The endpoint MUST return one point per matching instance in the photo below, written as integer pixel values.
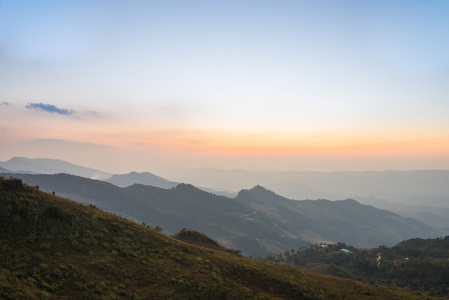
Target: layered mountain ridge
(257, 221)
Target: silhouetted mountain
(425, 187)
(224, 219)
(145, 178)
(51, 166)
(54, 248)
(431, 219)
(333, 221)
(434, 216)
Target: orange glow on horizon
(229, 143)
(272, 145)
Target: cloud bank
(50, 108)
(5, 103)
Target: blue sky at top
(308, 70)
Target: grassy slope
(55, 248)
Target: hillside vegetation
(418, 264)
(56, 248)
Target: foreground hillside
(55, 248)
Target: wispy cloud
(50, 108)
(92, 113)
(69, 144)
(5, 103)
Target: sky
(259, 85)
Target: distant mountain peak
(259, 191)
(257, 188)
(145, 178)
(183, 187)
(349, 201)
(260, 188)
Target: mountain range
(257, 221)
(360, 225)
(54, 248)
(382, 189)
(25, 165)
(378, 188)
(416, 187)
(50, 166)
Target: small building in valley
(347, 251)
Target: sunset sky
(257, 85)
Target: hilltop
(197, 238)
(56, 248)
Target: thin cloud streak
(50, 108)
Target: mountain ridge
(408, 187)
(371, 187)
(341, 220)
(256, 225)
(51, 166)
(146, 178)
